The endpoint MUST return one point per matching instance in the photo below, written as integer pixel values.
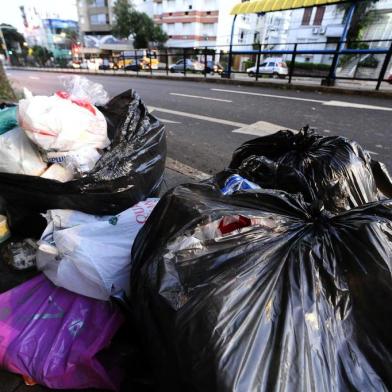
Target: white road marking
(261, 128)
(267, 95)
(186, 170)
(199, 97)
(168, 121)
(34, 77)
(199, 117)
(356, 105)
(372, 152)
(326, 103)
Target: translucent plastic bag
(90, 255)
(52, 336)
(83, 88)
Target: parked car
(275, 67)
(107, 65)
(133, 67)
(389, 80)
(191, 65)
(213, 68)
(79, 64)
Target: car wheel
(281, 76)
(251, 74)
(172, 70)
(275, 75)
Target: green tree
(15, 43)
(362, 18)
(41, 54)
(6, 91)
(128, 22)
(72, 35)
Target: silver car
(192, 66)
(275, 67)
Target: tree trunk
(6, 91)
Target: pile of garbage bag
(273, 275)
(69, 154)
(77, 176)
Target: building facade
(188, 23)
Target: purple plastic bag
(53, 336)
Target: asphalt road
(206, 122)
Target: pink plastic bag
(53, 336)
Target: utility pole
(4, 44)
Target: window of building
(306, 17)
(99, 19)
(318, 19)
(99, 3)
(208, 13)
(186, 13)
(190, 7)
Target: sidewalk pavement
(8, 279)
(343, 86)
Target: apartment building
(188, 23)
(95, 16)
(95, 24)
(381, 28)
(321, 27)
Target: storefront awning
(257, 6)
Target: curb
(232, 82)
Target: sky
(10, 12)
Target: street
(206, 122)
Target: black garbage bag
(336, 169)
(261, 291)
(129, 171)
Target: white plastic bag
(77, 161)
(18, 155)
(91, 255)
(62, 122)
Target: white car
(275, 67)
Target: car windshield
(271, 64)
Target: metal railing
(199, 61)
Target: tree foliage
(6, 91)
(72, 35)
(41, 54)
(362, 18)
(12, 37)
(129, 22)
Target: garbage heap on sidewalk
(274, 274)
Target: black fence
(329, 61)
